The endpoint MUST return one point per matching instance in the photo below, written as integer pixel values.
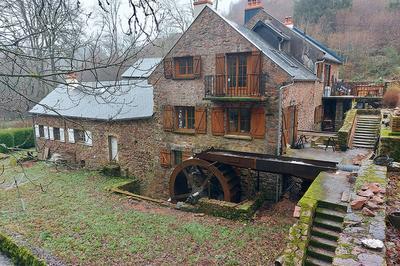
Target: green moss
(19, 255)
(227, 210)
(345, 131)
(370, 175)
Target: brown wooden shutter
(168, 68)
(319, 70)
(296, 123)
(217, 121)
(220, 74)
(258, 122)
(200, 120)
(254, 69)
(168, 118)
(165, 158)
(285, 128)
(197, 66)
(318, 114)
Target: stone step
(330, 214)
(364, 146)
(364, 136)
(328, 224)
(363, 142)
(324, 243)
(310, 261)
(332, 206)
(366, 130)
(324, 233)
(321, 254)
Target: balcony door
(237, 74)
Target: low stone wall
(20, 255)
(358, 227)
(389, 144)
(299, 233)
(344, 133)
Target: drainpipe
(278, 149)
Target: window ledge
(240, 137)
(185, 131)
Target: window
(79, 135)
(41, 131)
(184, 66)
(56, 132)
(177, 157)
(239, 120)
(237, 71)
(184, 117)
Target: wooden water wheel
(200, 178)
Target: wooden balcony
(355, 90)
(220, 87)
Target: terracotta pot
(394, 219)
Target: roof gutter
(278, 149)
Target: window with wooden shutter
(220, 74)
(165, 158)
(217, 121)
(168, 118)
(168, 68)
(201, 120)
(258, 122)
(254, 72)
(197, 66)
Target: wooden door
(113, 148)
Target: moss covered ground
(70, 214)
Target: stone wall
(344, 133)
(210, 35)
(137, 146)
(306, 96)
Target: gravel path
(5, 261)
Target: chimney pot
(289, 22)
(198, 5)
(253, 6)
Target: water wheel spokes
(195, 177)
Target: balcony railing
(354, 89)
(227, 86)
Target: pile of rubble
(370, 198)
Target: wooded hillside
(365, 32)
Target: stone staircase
(366, 132)
(325, 230)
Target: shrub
(391, 99)
(16, 137)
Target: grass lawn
(79, 222)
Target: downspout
(278, 149)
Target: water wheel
(195, 177)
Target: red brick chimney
(253, 6)
(200, 4)
(289, 22)
(71, 80)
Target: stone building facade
(220, 86)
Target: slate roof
(109, 100)
(285, 61)
(142, 68)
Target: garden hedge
(22, 138)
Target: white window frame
(71, 137)
(62, 134)
(88, 138)
(51, 133)
(46, 132)
(37, 132)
